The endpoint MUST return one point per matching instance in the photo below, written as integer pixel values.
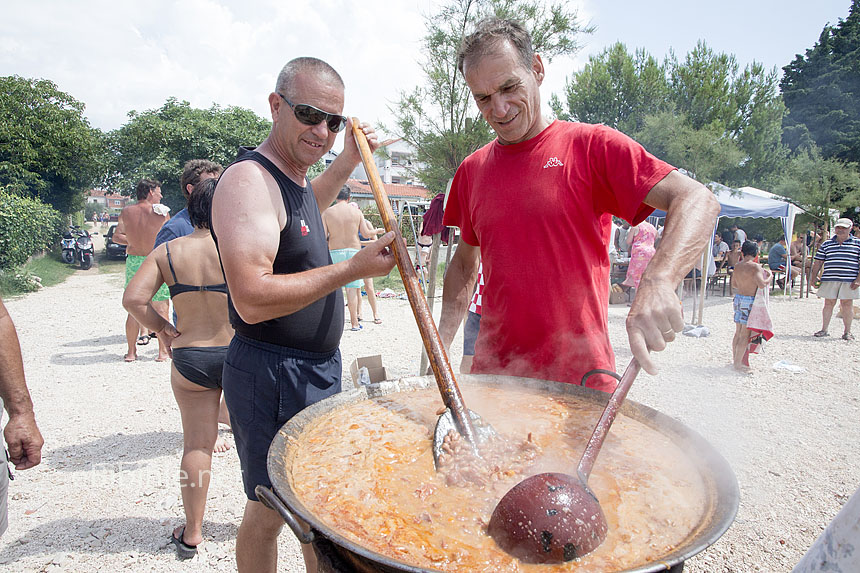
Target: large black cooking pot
(341, 554)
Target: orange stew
(366, 470)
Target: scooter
(78, 247)
(68, 245)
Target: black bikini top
(178, 288)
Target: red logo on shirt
(305, 229)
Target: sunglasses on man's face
(309, 115)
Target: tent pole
(449, 250)
(695, 297)
(704, 284)
(431, 291)
(803, 276)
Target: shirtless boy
(747, 278)
(733, 257)
(342, 223)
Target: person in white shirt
(740, 234)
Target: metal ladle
(555, 517)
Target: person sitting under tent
(777, 260)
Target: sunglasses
(309, 115)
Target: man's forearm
(271, 296)
(327, 184)
(456, 291)
(690, 218)
(813, 274)
(13, 388)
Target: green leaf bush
(27, 227)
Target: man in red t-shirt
(544, 307)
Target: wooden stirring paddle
(456, 415)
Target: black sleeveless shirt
(302, 246)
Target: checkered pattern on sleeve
(841, 261)
(475, 305)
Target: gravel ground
(106, 498)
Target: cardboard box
(374, 368)
(617, 297)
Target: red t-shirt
(541, 211)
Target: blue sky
(133, 55)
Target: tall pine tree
(822, 92)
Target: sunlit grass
(50, 269)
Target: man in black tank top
(284, 292)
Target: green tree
(727, 123)
(48, 150)
(157, 143)
(616, 89)
(822, 91)
(758, 131)
(818, 184)
(745, 106)
(439, 119)
(701, 87)
(707, 153)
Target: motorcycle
(78, 247)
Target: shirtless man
(137, 227)
(747, 278)
(342, 224)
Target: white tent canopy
(753, 203)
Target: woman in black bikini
(190, 267)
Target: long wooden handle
(429, 334)
(592, 448)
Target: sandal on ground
(377, 321)
(820, 334)
(847, 336)
(359, 327)
(143, 340)
(183, 550)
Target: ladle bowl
(549, 518)
(555, 517)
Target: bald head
(312, 66)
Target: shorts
(470, 332)
(837, 290)
(132, 263)
(742, 305)
(264, 386)
(341, 255)
(202, 365)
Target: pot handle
(271, 500)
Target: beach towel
(759, 324)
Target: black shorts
(264, 386)
(470, 332)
